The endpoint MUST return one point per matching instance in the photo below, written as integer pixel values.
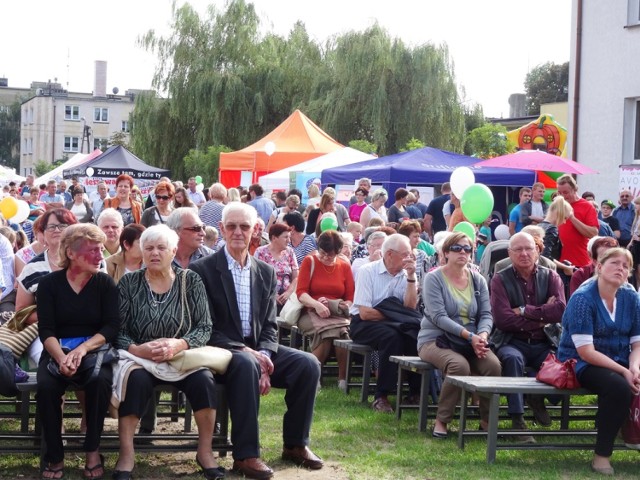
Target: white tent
(56, 173)
(9, 175)
(280, 180)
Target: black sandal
(88, 471)
(121, 475)
(213, 473)
(55, 471)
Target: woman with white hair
(164, 310)
(376, 208)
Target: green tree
(205, 164)
(364, 146)
(413, 144)
(10, 136)
(41, 167)
(488, 141)
(546, 83)
(119, 138)
(229, 84)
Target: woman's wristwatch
(470, 337)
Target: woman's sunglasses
(460, 248)
(163, 197)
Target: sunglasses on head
(195, 228)
(460, 248)
(163, 197)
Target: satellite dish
(115, 90)
(38, 91)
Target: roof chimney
(100, 81)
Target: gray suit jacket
(225, 316)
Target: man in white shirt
(196, 197)
(394, 275)
(533, 211)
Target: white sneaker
(342, 385)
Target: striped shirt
(304, 248)
(242, 282)
(211, 213)
(375, 283)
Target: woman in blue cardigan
(602, 331)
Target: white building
(604, 86)
(57, 124)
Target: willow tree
(387, 93)
(225, 83)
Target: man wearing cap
(625, 214)
(606, 215)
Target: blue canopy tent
(429, 166)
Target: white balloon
(502, 232)
(22, 213)
(461, 179)
(89, 172)
(199, 187)
(269, 148)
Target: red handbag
(631, 426)
(559, 374)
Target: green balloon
(198, 179)
(468, 229)
(328, 223)
(477, 203)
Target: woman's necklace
(329, 270)
(158, 298)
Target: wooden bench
(366, 352)
(424, 369)
(492, 388)
(29, 440)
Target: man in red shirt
(579, 227)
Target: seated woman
(301, 243)
(77, 311)
(456, 325)
(79, 206)
(326, 292)
(156, 325)
(129, 258)
(54, 223)
(596, 247)
(601, 326)
(281, 257)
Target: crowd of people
(186, 267)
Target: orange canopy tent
(295, 140)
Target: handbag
(214, 358)
(631, 427)
(292, 308)
(89, 367)
(559, 374)
(18, 342)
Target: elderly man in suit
(242, 292)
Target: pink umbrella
(536, 160)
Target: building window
(71, 112)
(101, 114)
(30, 149)
(633, 12)
(25, 149)
(31, 115)
(125, 126)
(100, 143)
(71, 144)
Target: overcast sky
(493, 43)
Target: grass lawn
(365, 445)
